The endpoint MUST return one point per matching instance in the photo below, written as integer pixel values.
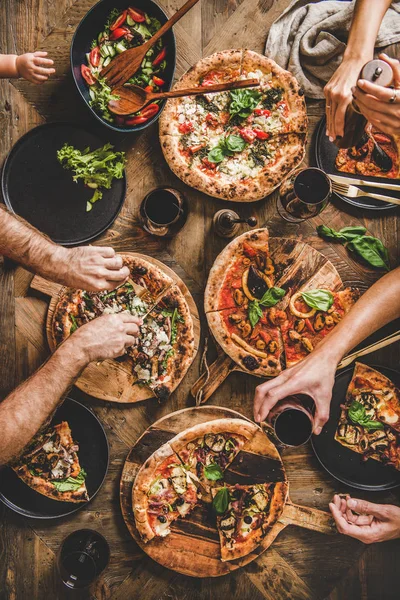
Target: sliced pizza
(370, 418)
(206, 450)
(162, 492)
(244, 515)
(50, 465)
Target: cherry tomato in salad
(94, 56)
(87, 75)
(119, 33)
(158, 81)
(136, 14)
(136, 120)
(186, 127)
(144, 115)
(264, 112)
(247, 134)
(119, 21)
(160, 57)
(148, 88)
(261, 135)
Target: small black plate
(36, 187)
(342, 463)
(89, 433)
(325, 156)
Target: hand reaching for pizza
(364, 520)
(303, 378)
(92, 268)
(374, 100)
(107, 336)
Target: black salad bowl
(89, 28)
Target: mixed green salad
(125, 29)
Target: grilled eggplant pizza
(165, 348)
(241, 144)
(250, 511)
(365, 160)
(50, 465)
(370, 418)
(260, 325)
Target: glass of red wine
(304, 195)
(163, 212)
(292, 422)
(83, 555)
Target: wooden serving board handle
(49, 288)
(309, 518)
(219, 371)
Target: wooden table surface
(301, 564)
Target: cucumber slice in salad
(92, 94)
(107, 61)
(130, 21)
(104, 51)
(120, 47)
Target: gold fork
(351, 191)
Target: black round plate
(325, 156)
(342, 463)
(88, 432)
(36, 187)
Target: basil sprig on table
(221, 501)
(368, 248)
(243, 102)
(357, 414)
(270, 298)
(70, 484)
(319, 299)
(213, 472)
(227, 146)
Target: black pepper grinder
(379, 72)
(226, 223)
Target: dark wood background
(300, 564)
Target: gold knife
(353, 181)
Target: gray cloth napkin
(310, 36)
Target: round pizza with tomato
(240, 144)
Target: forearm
(8, 66)
(367, 19)
(377, 307)
(27, 408)
(26, 245)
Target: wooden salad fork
(351, 191)
(133, 98)
(125, 65)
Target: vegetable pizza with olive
(239, 144)
(165, 347)
(125, 29)
(181, 474)
(369, 422)
(260, 325)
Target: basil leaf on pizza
(221, 501)
(216, 154)
(272, 296)
(235, 143)
(319, 299)
(213, 472)
(70, 484)
(74, 325)
(243, 102)
(255, 312)
(357, 414)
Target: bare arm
(28, 407)
(367, 19)
(33, 66)
(315, 374)
(90, 267)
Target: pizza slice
(206, 450)
(162, 492)
(244, 515)
(370, 418)
(50, 465)
(307, 325)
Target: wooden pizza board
(192, 547)
(112, 380)
(296, 263)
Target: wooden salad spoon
(133, 98)
(125, 65)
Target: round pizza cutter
(192, 547)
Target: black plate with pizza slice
(342, 463)
(325, 153)
(89, 434)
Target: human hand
(92, 268)
(34, 66)
(107, 336)
(303, 378)
(364, 520)
(338, 95)
(374, 100)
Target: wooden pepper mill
(379, 72)
(226, 223)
